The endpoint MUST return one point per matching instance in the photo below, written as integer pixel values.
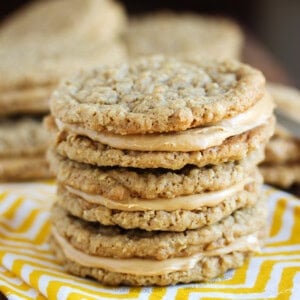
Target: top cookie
(157, 94)
(183, 35)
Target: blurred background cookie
(23, 142)
(184, 35)
(39, 45)
(282, 163)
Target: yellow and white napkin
(28, 270)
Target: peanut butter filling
(151, 267)
(189, 202)
(195, 139)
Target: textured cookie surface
(22, 137)
(281, 175)
(206, 269)
(157, 94)
(123, 183)
(177, 220)
(113, 241)
(183, 35)
(83, 149)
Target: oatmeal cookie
(157, 94)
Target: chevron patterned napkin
(28, 270)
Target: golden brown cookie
(129, 183)
(82, 149)
(205, 266)
(175, 214)
(157, 94)
(113, 241)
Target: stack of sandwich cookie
(39, 45)
(156, 163)
(281, 166)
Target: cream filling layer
(190, 202)
(183, 141)
(151, 267)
